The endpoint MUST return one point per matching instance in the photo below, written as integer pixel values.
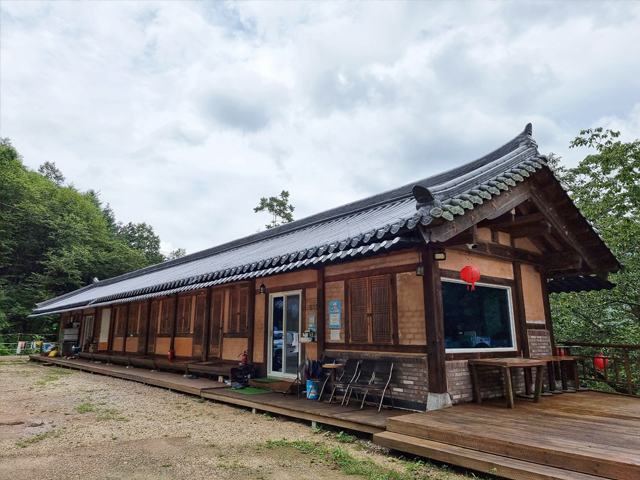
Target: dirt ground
(57, 423)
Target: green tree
(53, 240)
(50, 171)
(279, 207)
(606, 188)
(140, 236)
(177, 253)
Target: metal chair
(350, 374)
(324, 376)
(379, 382)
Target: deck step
(531, 439)
(474, 460)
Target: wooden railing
(616, 365)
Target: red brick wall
(491, 380)
(409, 380)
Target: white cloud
(183, 114)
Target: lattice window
(183, 324)
(238, 309)
(370, 316)
(166, 317)
(134, 319)
(120, 321)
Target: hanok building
(377, 278)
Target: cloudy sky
(184, 114)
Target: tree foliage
(55, 239)
(606, 188)
(279, 207)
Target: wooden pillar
(521, 323)
(125, 334)
(173, 324)
(519, 311)
(434, 323)
(206, 327)
(250, 320)
(320, 311)
(547, 310)
(145, 340)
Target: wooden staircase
(549, 440)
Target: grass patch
(346, 438)
(339, 458)
(111, 414)
(37, 438)
(84, 408)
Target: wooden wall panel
(162, 346)
(259, 328)
(526, 244)
(131, 345)
(293, 278)
(233, 347)
(488, 266)
(183, 346)
(532, 291)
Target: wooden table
(506, 364)
(551, 359)
(333, 367)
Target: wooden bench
(506, 364)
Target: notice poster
(312, 321)
(335, 335)
(335, 314)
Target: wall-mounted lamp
(263, 289)
(420, 270)
(439, 255)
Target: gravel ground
(65, 424)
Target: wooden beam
(504, 252)
(561, 261)
(250, 320)
(516, 222)
(547, 313)
(552, 241)
(206, 328)
(489, 209)
(532, 230)
(320, 311)
(434, 323)
(519, 311)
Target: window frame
(509, 289)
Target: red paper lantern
(601, 362)
(470, 275)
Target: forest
(55, 239)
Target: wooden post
(434, 323)
(547, 310)
(125, 334)
(627, 368)
(319, 312)
(521, 322)
(250, 320)
(146, 330)
(206, 327)
(173, 324)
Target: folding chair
(379, 382)
(301, 378)
(349, 374)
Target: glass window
(477, 319)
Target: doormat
(265, 380)
(252, 391)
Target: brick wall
(409, 380)
(411, 328)
(491, 380)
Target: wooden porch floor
(580, 436)
(585, 434)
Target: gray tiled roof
(356, 229)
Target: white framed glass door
(284, 334)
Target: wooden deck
(367, 420)
(573, 436)
(580, 436)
